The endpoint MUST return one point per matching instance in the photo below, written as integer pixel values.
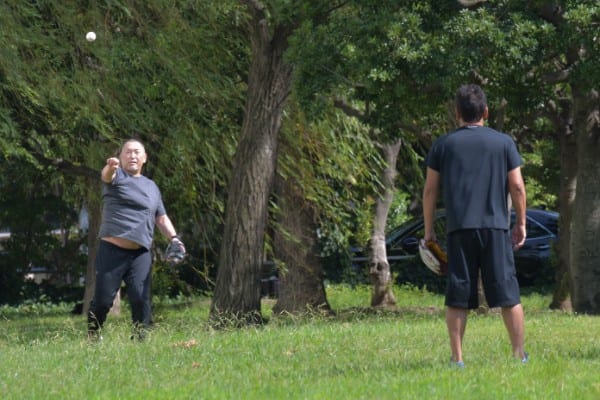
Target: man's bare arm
(516, 188)
(165, 226)
(430, 195)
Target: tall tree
(270, 25)
(237, 290)
(585, 256)
(570, 67)
(379, 270)
(584, 76)
(562, 115)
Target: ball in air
(90, 36)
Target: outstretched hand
(109, 170)
(112, 162)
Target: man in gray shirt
(132, 207)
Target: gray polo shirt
(131, 206)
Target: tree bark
(94, 206)
(295, 244)
(379, 267)
(237, 292)
(585, 252)
(566, 198)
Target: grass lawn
(358, 354)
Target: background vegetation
(175, 74)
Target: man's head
(132, 157)
(471, 104)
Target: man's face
(133, 157)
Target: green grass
(358, 354)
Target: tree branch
(74, 169)
(557, 76)
(593, 119)
(550, 12)
(257, 11)
(255, 6)
(64, 166)
(471, 3)
(320, 18)
(348, 109)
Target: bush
(47, 292)
(414, 273)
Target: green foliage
(541, 176)
(169, 73)
(377, 56)
(330, 160)
(40, 211)
(39, 307)
(397, 214)
(173, 73)
(581, 30)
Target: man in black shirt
(477, 168)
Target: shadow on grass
(353, 314)
(587, 353)
(370, 312)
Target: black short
(489, 251)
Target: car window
(533, 228)
(409, 240)
(547, 220)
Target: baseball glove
(434, 257)
(175, 252)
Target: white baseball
(90, 36)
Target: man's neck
(464, 124)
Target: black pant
(114, 265)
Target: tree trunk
(295, 244)
(566, 198)
(585, 252)
(94, 206)
(379, 268)
(237, 292)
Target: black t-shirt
(473, 163)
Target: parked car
(532, 261)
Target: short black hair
(131, 139)
(470, 102)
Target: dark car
(532, 261)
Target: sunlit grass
(354, 354)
